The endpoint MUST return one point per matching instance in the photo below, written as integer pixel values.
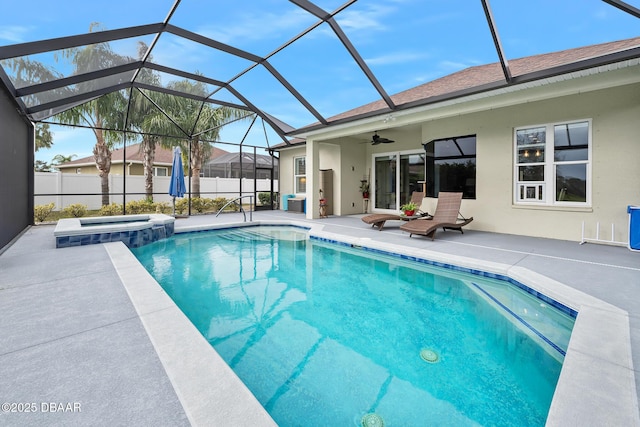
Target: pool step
(531, 317)
(246, 236)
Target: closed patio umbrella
(177, 187)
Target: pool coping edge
(208, 389)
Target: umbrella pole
(174, 206)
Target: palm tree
(200, 148)
(41, 166)
(105, 112)
(198, 121)
(59, 159)
(44, 137)
(28, 72)
(139, 111)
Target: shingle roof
(229, 158)
(163, 156)
(478, 76)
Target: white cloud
(252, 27)
(14, 33)
(397, 58)
(371, 18)
(453, 66)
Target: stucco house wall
(286, 168)
(331, 157)
(610, 101)
(615, 176)
(354, 169)
(136, 169)
(80, 169)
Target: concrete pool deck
(78, 329)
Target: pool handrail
(241, 208)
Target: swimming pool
(316, 349)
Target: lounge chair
(378, 220)
(446, 216)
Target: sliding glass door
(396, 176)
(384, 188)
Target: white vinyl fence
(65, 189)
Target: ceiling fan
(377, 139)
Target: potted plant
(364, 189)
(409, 208)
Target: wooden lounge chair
(378, 220)
(446, 216)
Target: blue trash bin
(634, 227)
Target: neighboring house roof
(247, 158)
(486, 77)
(163, 157)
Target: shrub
(75, 210)
(218, 203)
(112, 209)
(264, 199)
(140, 206)
(41, 212)
(162, 207)
(200, 204)
(182, 205)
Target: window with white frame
(553, 164)
(160, 171)
(300, 175)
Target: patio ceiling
(291, 64)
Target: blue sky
(404, 42)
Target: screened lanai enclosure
(84, 78)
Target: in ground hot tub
(132, 230)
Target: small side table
(412, 217)
(365, 205)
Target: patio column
(313, 178)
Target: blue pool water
(325, 334)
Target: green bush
(141, 206)
(200, 204)
(264, 198)
(162, 208)
(75, 210)
(218, 203)
(111, 210)
(182, 205)
(41, 212)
